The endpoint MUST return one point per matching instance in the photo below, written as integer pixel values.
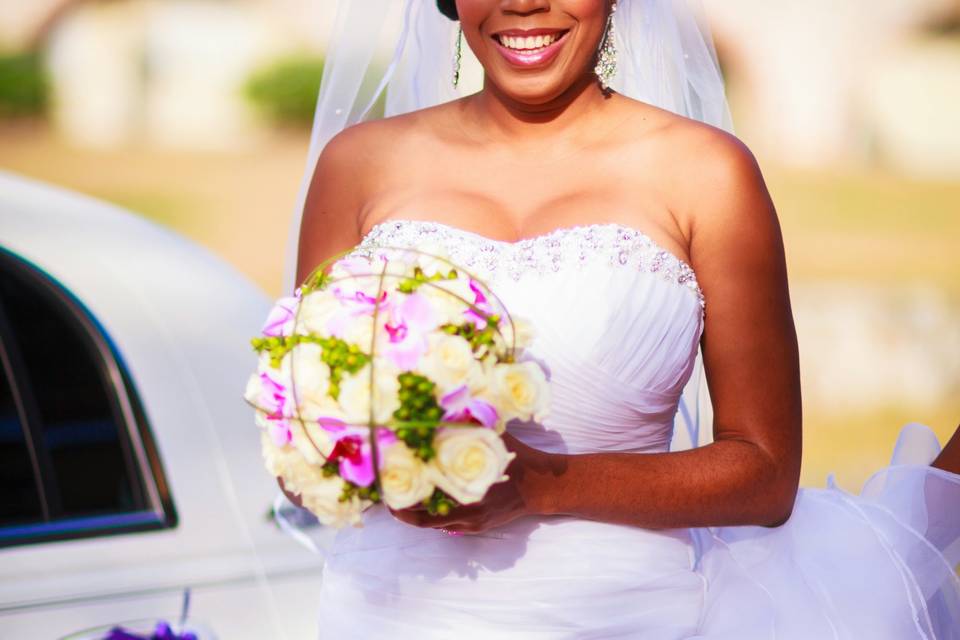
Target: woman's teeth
(529, 43)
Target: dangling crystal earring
(456, 56)
(607, 59)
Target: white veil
(665, 57)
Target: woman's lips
(528, 59)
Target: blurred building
(862, 81)
(812, 83)
(164, 72)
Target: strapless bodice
(617, 320)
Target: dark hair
(448, 8)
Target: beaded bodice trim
(614, 243)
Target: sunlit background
(196, 113)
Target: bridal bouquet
(390, 376)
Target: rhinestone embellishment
(613, 243)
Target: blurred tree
(286, 90)
(24, 85)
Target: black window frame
(137, 443)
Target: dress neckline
(538, 237)
(688, 275)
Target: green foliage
(478, 338)
(24, 85)
(286, 90)
(418, 414)
(439, 503)
(409, 285)
(350, 490)
(340, 356)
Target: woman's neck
(501, 118)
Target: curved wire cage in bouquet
(389, 376)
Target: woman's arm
(749, 474)
(949, 458)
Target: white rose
(322, 499)
(311, 440)
(468, 461)
(318, 493)
(432, 257)
(309, 375)
(351, 265)
(253, 389)
(288, 463)
(522, 335)
(359, 331)
(450, 363)
(404, 480)
(355, 394)
(448, 307)
(316, 310)
(518, 390)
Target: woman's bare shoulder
(371, 140)
(352, 166)
(713, 169)
(708, 177)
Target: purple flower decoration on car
(163, 631)
(281, 317)
(460, 406)
(410, 323)
(481, 310)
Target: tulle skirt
(879, 565)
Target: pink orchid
(274, 401)
(280, 319)
(332, 425)
(279, 431)
(273, 397)
(460, 406)
(355, 456)
(481, 310)
(354, 265)
(356, 304)
(410, 323)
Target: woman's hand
(525, 493)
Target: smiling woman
(610, 205)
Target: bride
(594, 184)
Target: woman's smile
(530, 48)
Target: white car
(130, 467)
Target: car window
(76, 454)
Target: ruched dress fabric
(618, 321)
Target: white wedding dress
(618, 323)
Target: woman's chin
(532, 90)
